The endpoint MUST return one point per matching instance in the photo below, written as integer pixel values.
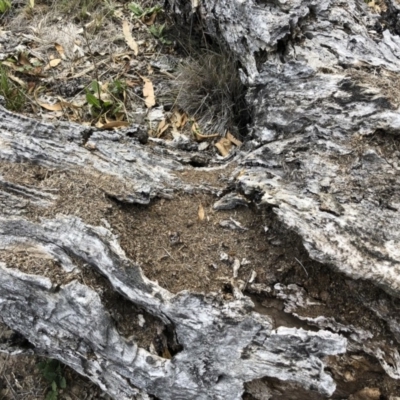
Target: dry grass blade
(209, 89)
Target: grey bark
(316, 105)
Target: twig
(168, 253)
(167, 74)
(11, 389)
(301, 265)
(4, 365)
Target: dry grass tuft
(209, 89)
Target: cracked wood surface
(323, 152)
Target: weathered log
(69, 323)
(322, 152)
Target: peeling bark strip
(318, 154)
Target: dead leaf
(114, 124)
(31, 87)
(59, 106)
(16, 79)
(198, 135)
(60, 50)
(201, 214)
(178, 119)
(52, 63)
(224, 146)
(51, 107)
(232, 139)
(131, 83)
(149, 20)
(10, 65)
(162, 127)
(26, 71)
(121, 56)
(126, 29)
(23, 59)
(374, 6)
(148, 92)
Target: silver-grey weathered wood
(323, 91)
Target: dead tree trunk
(322, 153)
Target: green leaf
(158, 31)
(154, 31)
(107, 103)
(5, 5)
(165, 41)
(93, 100)
(54, 386)
(52, 395)
(117, 87)
(95, 87)
(135, 8)
(47, 368)
(151, 10)
(63, 383)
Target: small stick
(10, 387)
(301, 265)
(168, 253)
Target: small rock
(91, 146)
(223, 256)
(141, 320)
(174, 238)
(203, 146)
